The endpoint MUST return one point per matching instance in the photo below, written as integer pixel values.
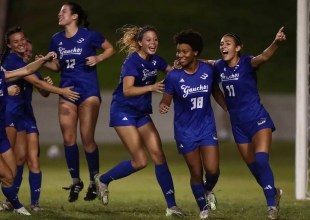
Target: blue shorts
(243, 133)
(83, 97)
(185, 147)
(123, 119)
(4, 141)
(16, 119)
(31, 124)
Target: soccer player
(251, 124)
(8, 165)
(190, 88)
(76, 48)
(33, 148)
(15, 116)
(130, 113)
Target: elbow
(127, 93)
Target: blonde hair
(131, 36)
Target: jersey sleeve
(129, 68)
(96, 39)
(162, 64)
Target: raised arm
(269, 51)
(30, 68)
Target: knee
(196, 176)
(139, 164)
(33, 165)
(21, 159)
(159, 159)
(7, 181)
(69, 139)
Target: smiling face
(229, 49)
(149, 43)
(28, 52)
(65, 16)
(185, 55)
(17, 42)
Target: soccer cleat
(175, 211)
(36, 208)
(75, 189)
(211, 200)
(277, 197)
(91, 192)
(7, 206)
(272, 213)
(102, 190)
(21, 211)
(203, 214)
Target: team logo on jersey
(261, 121)
(147, 73)
(233, 76)
(182, 80)
(191, 90)
(204, 76)
(60, 43)
(125, 119)
(64, 52)
(80, 40)
(154, 62)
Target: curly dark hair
(191, 38)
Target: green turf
(139, 197)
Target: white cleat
(21, 211)
(211, 200)
(175, 211)
(102, 190)
(203, 214)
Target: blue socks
(165, 181)
(121, 170)
(73, 163)
(35, 181)
(19, 177)
(10, 194)
(93, 163)
(253, 168)
(199, 194)
(265, 177)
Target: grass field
(139, 197)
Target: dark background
(256, 22)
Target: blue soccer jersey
(72, 53)
(13, 62)
(4, 142)
(31, 124)
(145, 73)
(240, 88)
(193, 113)
(3, 94)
